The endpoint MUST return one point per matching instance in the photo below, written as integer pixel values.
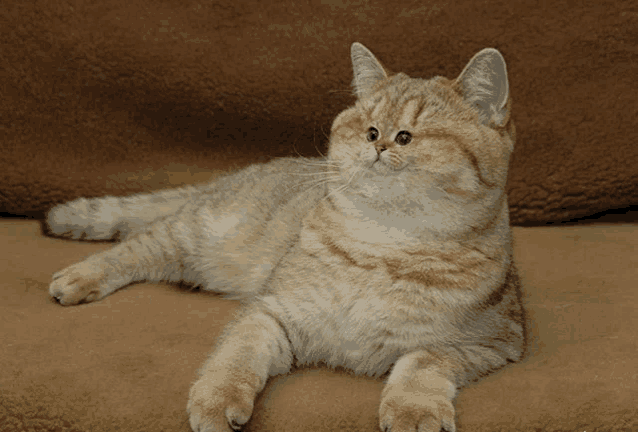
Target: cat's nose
(380, 148)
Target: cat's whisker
(349, 92)
(320, 175)
(317, 148)
(354, 174)
(320, 178)
(339, 189)
(318, 183)
(324, 133)
(324, 180)
(315, 174)
(315, 162)
(345, 186)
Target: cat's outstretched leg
(252, 349)
(154, 255)
(109, 217)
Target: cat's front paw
(416, 412)
(83, 282)
(217, 404)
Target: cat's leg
(253, 348)
(417, 397)
(157, 254)
(105, 218)
(419, 393)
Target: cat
(391, 256)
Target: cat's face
(433, 148)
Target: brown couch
(125, 363)
(115, 97)
(98, 96)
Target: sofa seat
(126, 363)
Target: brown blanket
(126, 363)
(111, 96)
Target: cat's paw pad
(216, 405)
(80, 283)
(91, 219)
(416, 413)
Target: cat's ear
(368, 71)
(483, 83)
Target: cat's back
(281, 178)
(244, 223)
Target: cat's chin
(373, 180)
(379, 167)
(384, 166)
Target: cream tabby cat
(392, 255)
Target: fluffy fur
(392, 256)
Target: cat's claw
(79, 283)
(404, 414)
(215, 406)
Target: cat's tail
(109, 217)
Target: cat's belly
(338, 325)
(357, 343)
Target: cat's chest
(365, 319)
(354, 317)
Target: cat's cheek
(339, 151)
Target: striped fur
(391, 257)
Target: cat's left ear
(368, 71)
(483, 83)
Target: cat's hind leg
(107, 218)
(198, 245)
(153, 255)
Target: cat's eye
(373, 134)
(403, 138)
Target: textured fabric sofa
(116, 97)
(99, 95)
(126, 363)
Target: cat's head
(426, 143)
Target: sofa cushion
(111, 96)
(126, 362)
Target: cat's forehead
(406, 101)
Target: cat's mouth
(381, 163)
(369, 169)
(385, 167)
(376, 167)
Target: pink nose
(380, 148)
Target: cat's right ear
(484, 85)
(368, 71)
